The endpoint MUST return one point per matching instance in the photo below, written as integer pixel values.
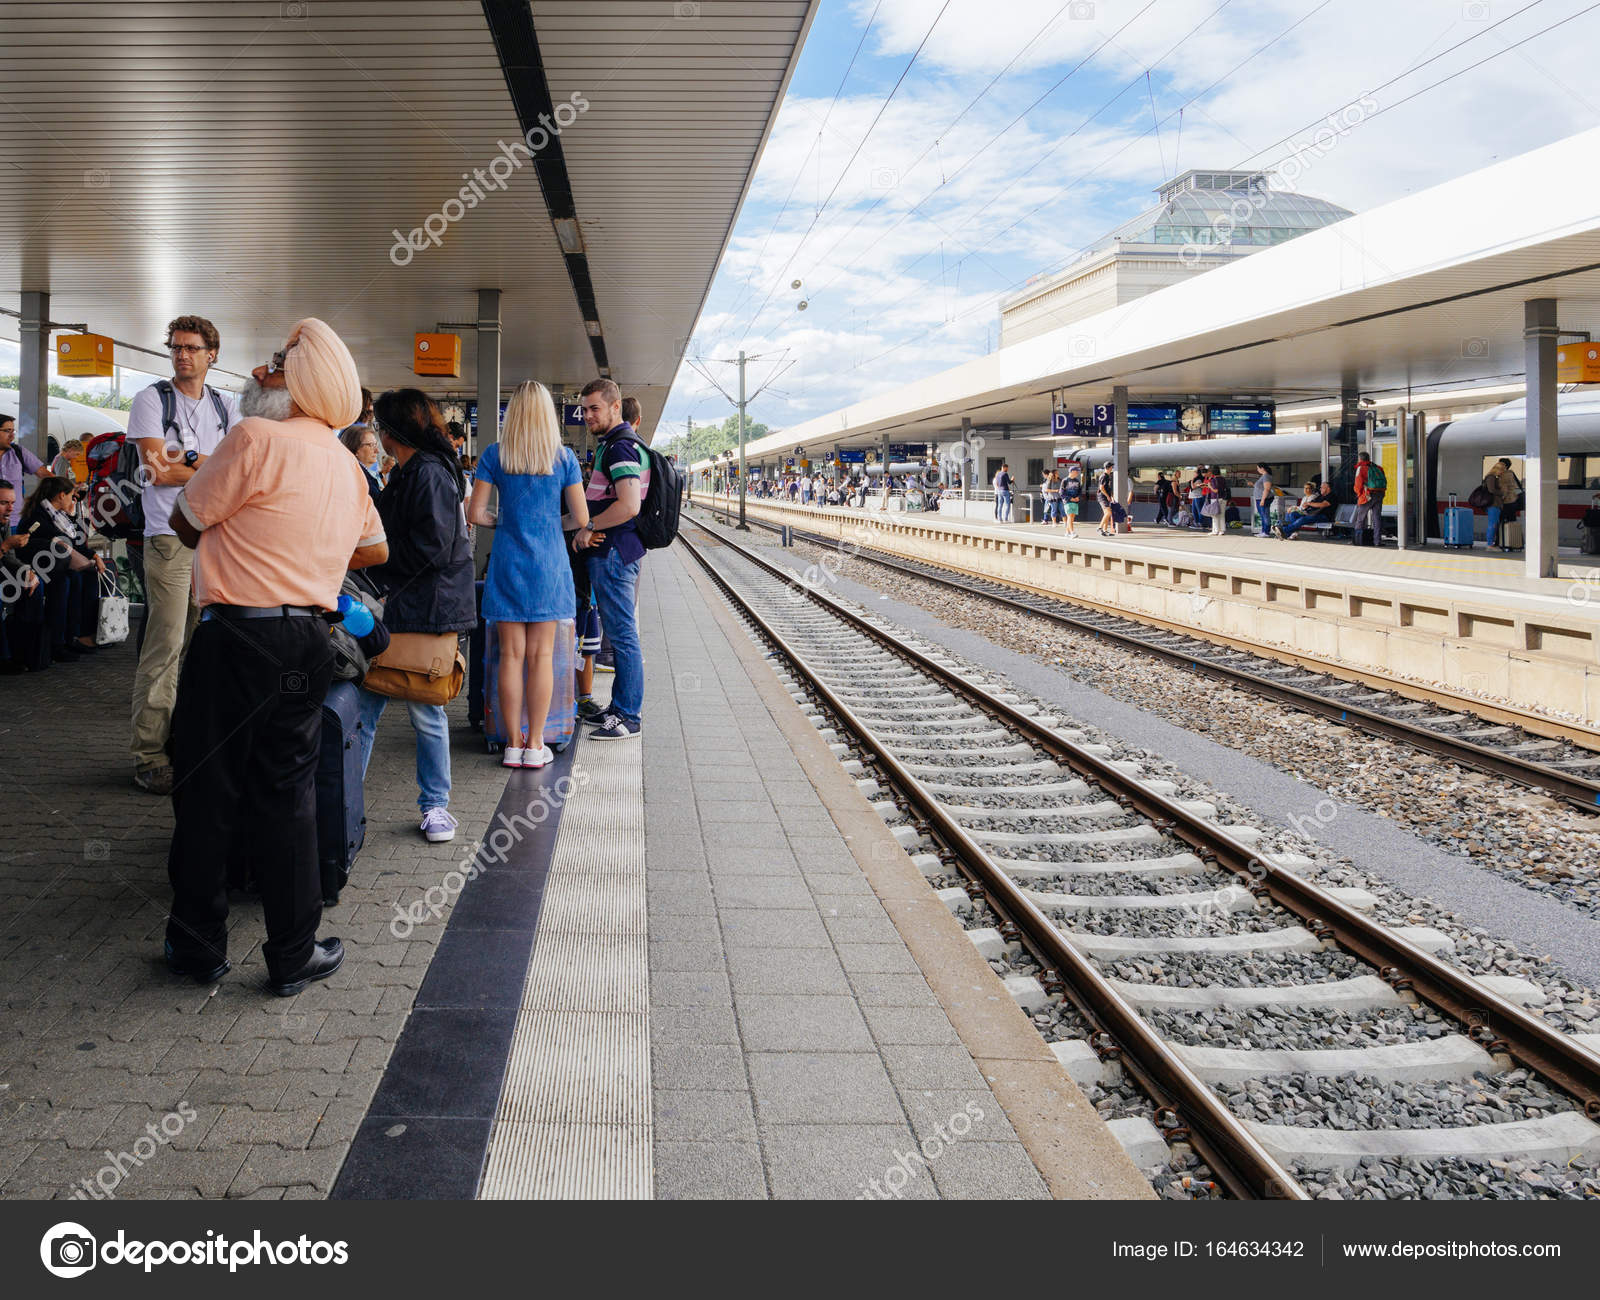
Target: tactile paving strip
(574, 1119)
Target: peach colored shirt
(281, 507)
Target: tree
(104, 400)
(712, 439)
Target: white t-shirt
(198, 431)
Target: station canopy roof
(1422, 294)
(251, 160)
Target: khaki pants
(170, 620)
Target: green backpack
(1377, 480)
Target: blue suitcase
(1457, 523)
(561, 722)
(341, 801)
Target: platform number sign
(1105, 417)
(571, 413)
(1061, 422)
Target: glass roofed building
(1204, 219)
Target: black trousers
(245, 737)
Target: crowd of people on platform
(265, 519)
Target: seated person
(1316, 506)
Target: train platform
(1462, 621)
(700, 966)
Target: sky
(929, 158)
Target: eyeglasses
(187, 349)
(275, 366)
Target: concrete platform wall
(1467, 640)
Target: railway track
(1558, 767)
(1095, 869)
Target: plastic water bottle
(357, 618)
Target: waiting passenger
(1261, 497)
(362, 440)
(1218, 495)
(1104, 491)
(1316, 506)
(1504, 491)
(57, 551)
(530, 587)
(1002, 494)
(249, 711)
(427, 579)
(16, 463)
(1366, 527)
(615, 493)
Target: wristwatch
(189, 458)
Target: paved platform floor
(97, 1040)
(815, 1019)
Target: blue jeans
(1264, 519)
(615, 590)
(1002, 506)
(1491, 533)
(433, 745)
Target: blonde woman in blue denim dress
(528, 589)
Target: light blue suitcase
(1457, 523)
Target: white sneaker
(510, 757)
(537, 758)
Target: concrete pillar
(1119, 444)
(1322, 446)
(966, 451)
(488, 399)
(33, 401)
(1402, 460)
(1540, 531)
(1425, 515)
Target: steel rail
(1497, 1023)
(1570, 789)
(1239, 1161)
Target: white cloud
(930, 224)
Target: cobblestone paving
(244, 1094)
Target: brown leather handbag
(423, 667)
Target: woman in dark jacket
(427, 578)
(57, 551)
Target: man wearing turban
(276, 516)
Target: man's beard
(264, 403)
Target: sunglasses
(275, 366)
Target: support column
(488, 399)
(966, 450)
(1540, 533)
(1322, 447)
(1119, 445)
(1402, 461)
(1425, 515)
(33, 401)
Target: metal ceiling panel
(251, 161)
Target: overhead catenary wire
(1033, 212)
(815, 148)
(934, 147)
(845, 170)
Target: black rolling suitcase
(341, 801)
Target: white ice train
(1455, 456)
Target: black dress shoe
(327, 955)
(201, 970)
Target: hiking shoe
(611, 727)
(590, 708)
(154, 780)
(438, 826)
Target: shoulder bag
(423, 667)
